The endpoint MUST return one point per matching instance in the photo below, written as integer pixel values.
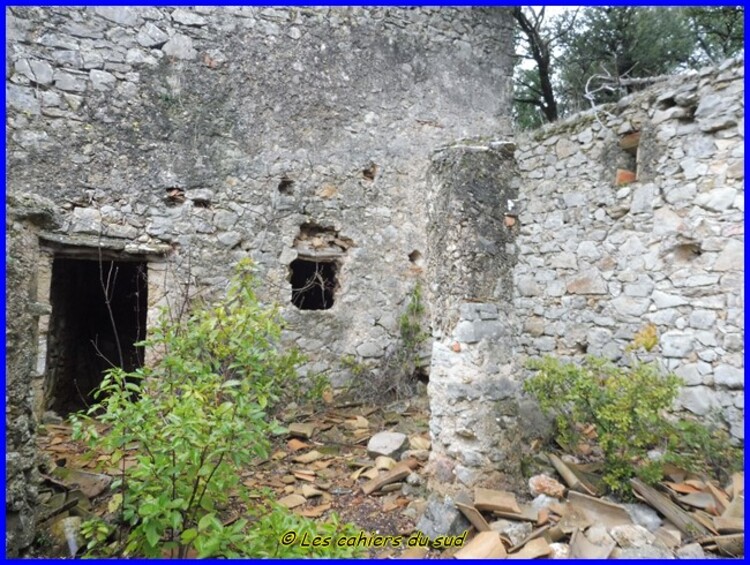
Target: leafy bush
(194, 419)
(626, 405)
(265, 534)
(703, 448)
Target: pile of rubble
(684, 517)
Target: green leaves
(188, 414)
(627, 407)
(582, 47)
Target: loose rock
(389, 444)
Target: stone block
(180, 47)
(702, 319)
(623, 176)
(527, 286)
(690, 551)
(564, 260)
(102, 80)
(697, 399)
(370, 349)
(642, 200)
(229, 239)
(86, 220)
(442, 518)
(151, 36)
(665, 300)
(188, 17)
(588, 282)
(717, 200)
(689, 374)
(70, 82)
(488, 329)
(388, 444)
(729, 376)
(628, 306)
(487, 311)
(565, 148)
(732, 257)
(465, 332)
(681, 194)
(534, 326)
(123, 15)
(499, 388)
(468, 311)
(676, 344)
(22, 99)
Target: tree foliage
(573, 50)
(626, 41)
(719, 31)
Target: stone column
(25, 216)
(473, 400)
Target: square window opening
(313, 283)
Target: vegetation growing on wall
(398, 375)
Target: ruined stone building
(354, 154)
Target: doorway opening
(99, 309)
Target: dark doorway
(313, 284)
(98, 314)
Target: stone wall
(191, 138)
(219, 132)
(474, 417)
(599, 260)
(196, 137)
(601, 224)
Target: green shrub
(627, 406)
(265, 535)
(703, 448)
(194, 419)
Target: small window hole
(174, 196)
(313, 283)
(369, 172)
(286, 186)
(416, 258)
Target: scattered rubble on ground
(330, 462)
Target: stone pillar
(473, 400)
(164, 292)
(25, 215)
(43, 286)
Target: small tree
(623, 41)
(195, 419)
(534, 87)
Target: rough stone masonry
(185, 139)
(324, 144)
(591, 261)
